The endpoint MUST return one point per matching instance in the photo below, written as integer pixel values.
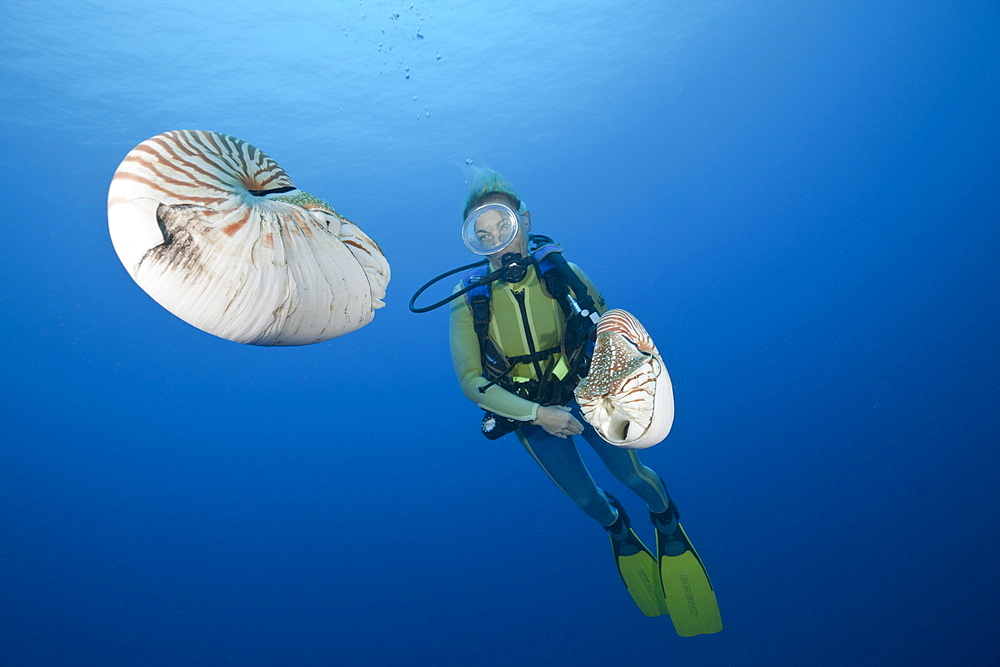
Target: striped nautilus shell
(216, 232)
(627, 395)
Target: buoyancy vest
(557, 369)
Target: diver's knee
(636, 482)
(591, 503)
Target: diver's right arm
(469, 369)
(556, 420)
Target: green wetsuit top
(547, 322)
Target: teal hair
(484, 182)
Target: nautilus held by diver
(216, 232)
(627, 395)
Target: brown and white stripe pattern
(627, 395)
(215, 231)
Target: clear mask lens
(490, 229)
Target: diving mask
(490, 228)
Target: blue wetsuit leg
(625, 465)
(560, 459)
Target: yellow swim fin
(687, 591)
(639, 571)
(636, 564)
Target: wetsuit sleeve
(469, 369)
(599, 303)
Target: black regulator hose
(536, 239)
(452, 297)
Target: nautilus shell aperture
(217, 233)
(627, 395)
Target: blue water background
(798, 199)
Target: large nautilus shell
(627, 395)
(216, 232)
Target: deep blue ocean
(798, 199)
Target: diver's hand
(557, 420)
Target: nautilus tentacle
(216, 232)
(627, 395)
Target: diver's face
(492, 228)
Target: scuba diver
(521, 331)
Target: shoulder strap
(478, 299)
(581, 320)
(559, 278)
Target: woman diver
(519, 346)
